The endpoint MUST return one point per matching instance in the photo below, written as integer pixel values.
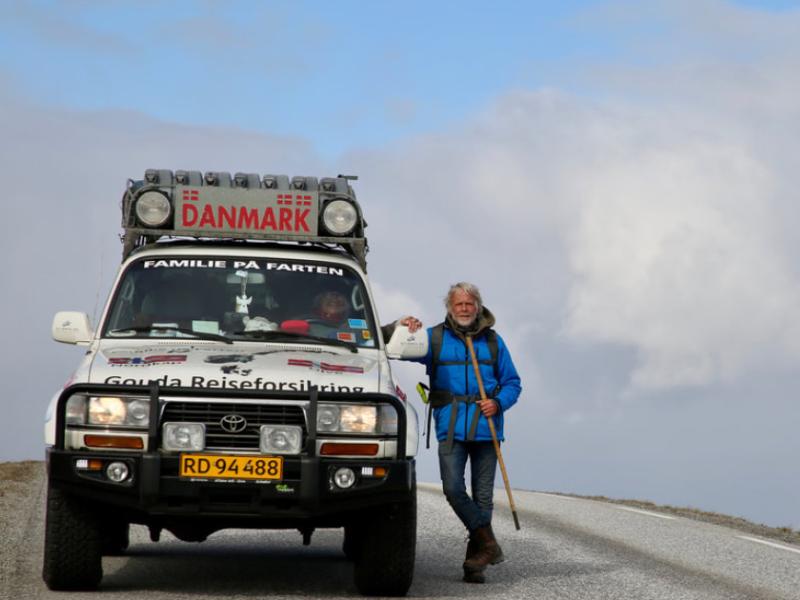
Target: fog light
(281, 439)
(344, 477)
(117, 471)
(184, 436)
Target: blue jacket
(500, 381)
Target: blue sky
(339, 74)
(618, 177)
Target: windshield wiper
(295, 337)
(202, 335)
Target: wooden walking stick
(494, 433)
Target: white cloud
(394, 304)
(657, 226)
(673, 250)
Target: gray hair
(463, 286)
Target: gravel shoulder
(783, 534)
(21, 484)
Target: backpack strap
(491, 341)
(437, 339)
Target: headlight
(139, 413)
(327, 417)
(153, 209)
(281, 439)
(183, 436)
(356, 418)
(339, 217)
(109, 410)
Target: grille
(210, 413)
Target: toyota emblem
(233, 423)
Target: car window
(233, 296)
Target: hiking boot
(489, 552)
(500, 556)
(474, 576)
(472, 547)
(471, 576)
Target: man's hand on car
(412, 323)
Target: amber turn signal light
(113, 441)
(334, 448)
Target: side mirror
(72, 327)
(405, 344)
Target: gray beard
(470, 328)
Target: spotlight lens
(152, 209)
(339, 217)
(344, 477)
(117, 471)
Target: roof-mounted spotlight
(340, 217)
(153, 209)
(166, 203)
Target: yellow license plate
(214, 466)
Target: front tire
(351, 543)
(115, 537)
(387, 547)
(72, 544)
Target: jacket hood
(484, 321)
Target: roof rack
(245, 206)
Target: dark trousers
(475, 511)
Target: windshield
(241, 298)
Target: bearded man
(462, 418)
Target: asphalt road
(567, 548)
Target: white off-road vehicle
(238, 378)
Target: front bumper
(155, 494)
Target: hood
(247, 366)
(484, 321)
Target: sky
(619, 178)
